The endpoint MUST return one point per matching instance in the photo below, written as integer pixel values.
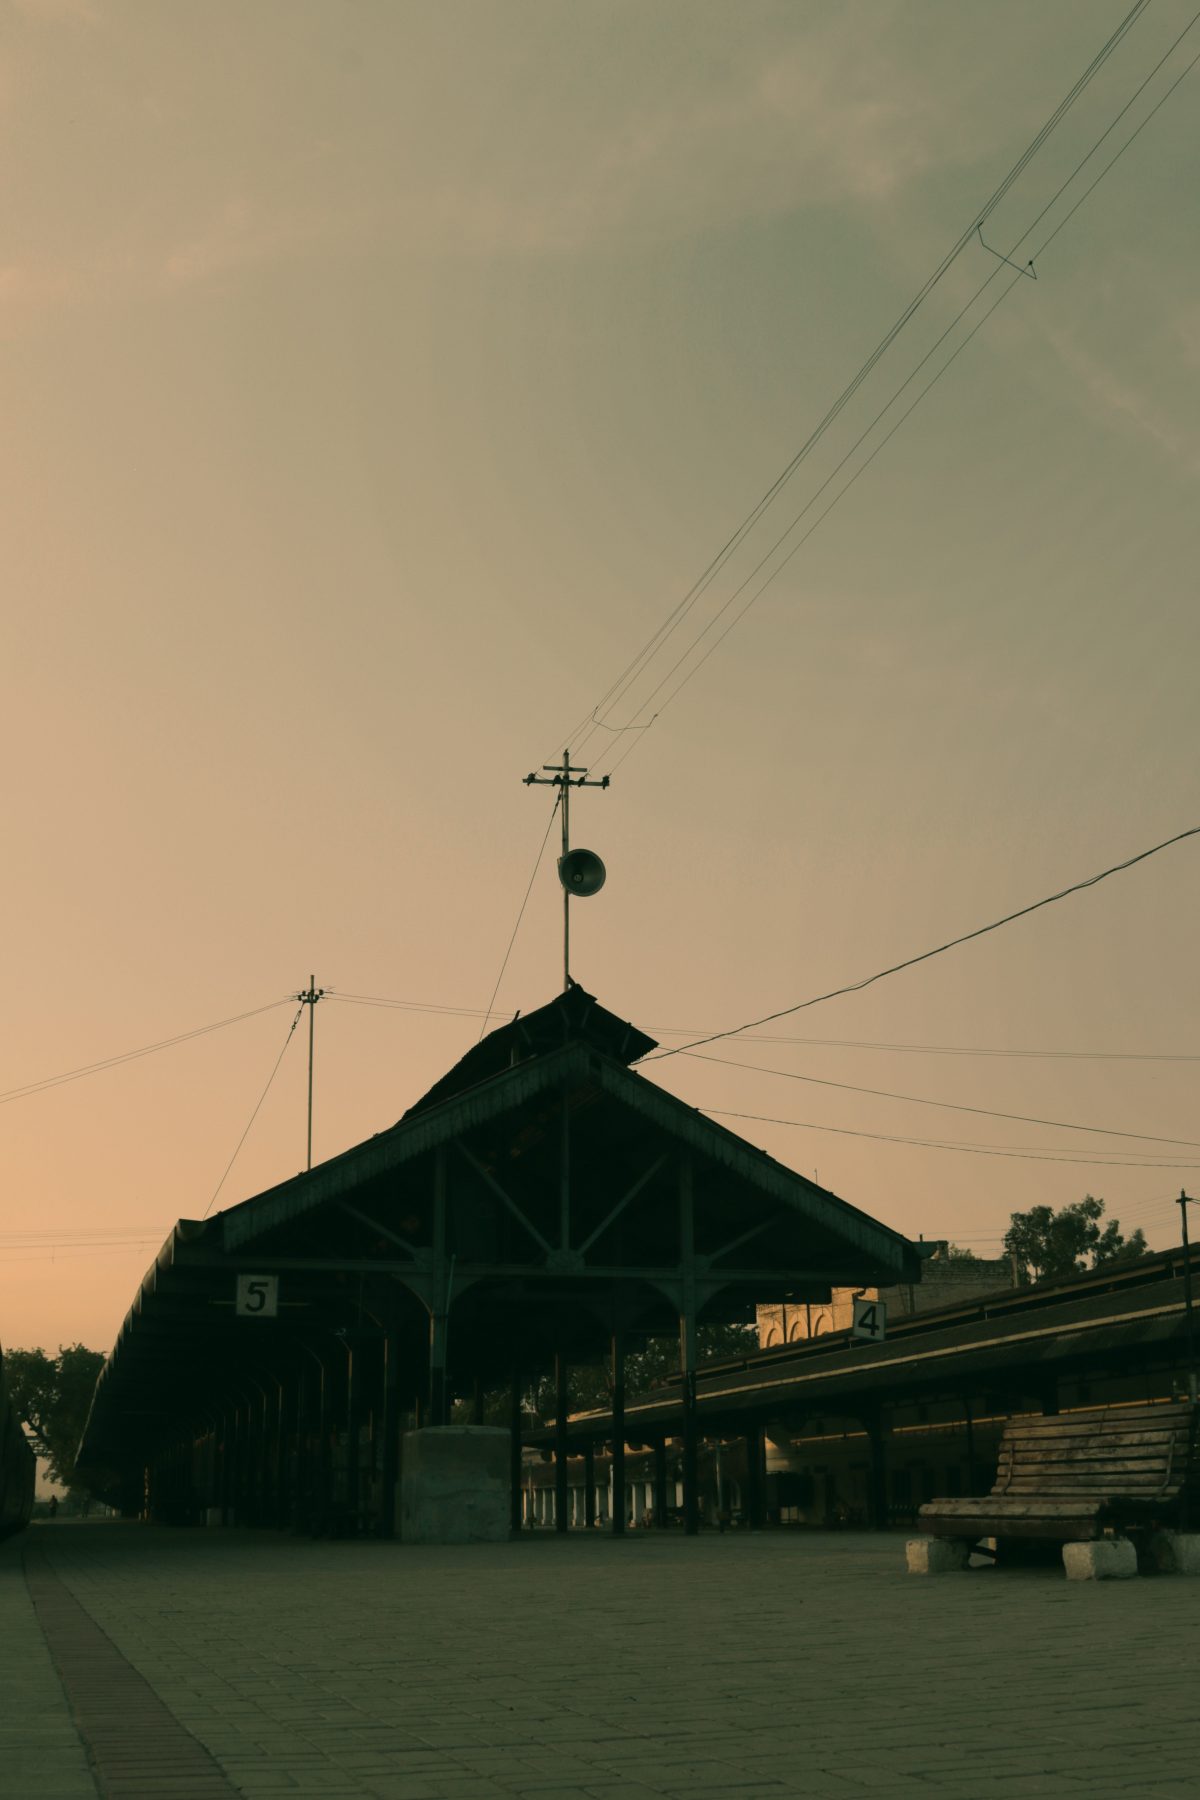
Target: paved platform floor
(581, 1668)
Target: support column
(660, 1483)
(515, 1463)
(970, 1422)
(589, 1483)
(390, 1472)
(439, 1398)
(561, 1473)
(877, 1511)
(617, 1522)
(687, 1349)
(353, 1427)
(323, 1486)
(755, 1478)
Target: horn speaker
(581, 873)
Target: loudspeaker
(581, 872)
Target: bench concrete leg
(935, 1556)
(1175, 1552)
(1100, 1559)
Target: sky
(377, 381)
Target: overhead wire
(112, 1062)
(692, 1031)
(537, 863)
(1020, 1154)
(854, 987)
(258, 1107)
(618, 688)
(636, 725)
(988, 1112)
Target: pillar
(755, 1477)
(353, 1424)
(877, 1507)
(515, 1466)
(561, 1471)
(617, 1470)
(390, 1461)
(439, 1397)
(687, 1351)
(589, 1483)
(660, 1483)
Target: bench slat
(1085, 1447)
(1067, 1477)
(1091, 1435)
(1155, 1413)
(1051, 1508)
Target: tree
(1051, 1245)
(956, 1253)
(51, 1397)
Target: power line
(855, 987)
(417, 1006)
(112, 1062)
(636, 724)
(691, 1031)
(1149, 1137)
(270, 1078)
(1087, 1162)
(616, 691)
(537, 863)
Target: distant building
(944, 1279)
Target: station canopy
(541, 1196)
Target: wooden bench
(1070, 1477)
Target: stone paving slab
(40, 1750)
(763, 1667)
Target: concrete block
(1103, 1559)
(934, 1556)
(454, 1485)
(1174, 1552)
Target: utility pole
(1186, 1200)
(309, 998)
(564, 776)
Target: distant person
(54, 1506)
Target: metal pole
(1184, 1203)
(311, 996)
(566, 845)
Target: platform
(575, 1668)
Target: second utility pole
(309, 998)
(564, 776)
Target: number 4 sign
(258, 1296)
(870, 1320)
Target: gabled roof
(575, 1017)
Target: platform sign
(257, 1296)
(870, 1320)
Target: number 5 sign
(258, 1296)
(870, 1320)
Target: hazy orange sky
(377, 379)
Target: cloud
(78, 12)
(824, 119)
(239, 234)
(1116, 400)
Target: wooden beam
(486, 1176)
(630, 1194)
(384, 1231)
